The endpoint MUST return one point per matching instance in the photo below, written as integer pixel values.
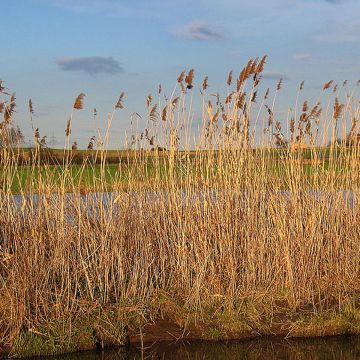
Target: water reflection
(339, 348)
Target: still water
(334, 348)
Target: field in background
(85, 166)
(219, 241)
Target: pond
(339, 348)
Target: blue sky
(51, 50)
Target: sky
(52, 50)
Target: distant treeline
(27, 156)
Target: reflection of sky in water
(92, 201)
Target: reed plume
(79, 102)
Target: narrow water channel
(334, 348)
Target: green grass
(88, 177)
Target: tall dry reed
(223, 220)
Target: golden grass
(217, 233)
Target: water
(334, 348)
(107, 198)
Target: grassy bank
(200, 240)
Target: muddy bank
(184, 328)
(342, 347)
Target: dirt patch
(162, 329)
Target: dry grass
(215, 233)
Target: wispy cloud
(334, 1)
(197, 30)
(114, 8)
(273, 75)
(343, 34)
(92, 65)
(302, 56)
(104, 7)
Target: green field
(89, 171)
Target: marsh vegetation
(216, 232)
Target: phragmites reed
(189, 79)
(10, 109)
(261, 64)
(305, 107)
(213, 117)
(31, 108)
(205, 83)
(338, 109)
(119, 104)
(292, 126)
(229, 78)
(180, 78)
(256, 79)
(302, 85)
(315, 111)
(153, 114)
(175, 102)
(254, 66)
(43, 141)
(229, 98)
(79, 102)
(164, 113)
(91, 143)
(244, 74)
(68, 128)
(327, 85)
(253, 97)
(241, 101)
(148, 100)
(210, 109)
(278, 86)
(353, 131)
(37, 135)
(267, 93)
(271, 115)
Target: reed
(227, 231)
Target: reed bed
(225, 230)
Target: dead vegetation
(214, 243)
